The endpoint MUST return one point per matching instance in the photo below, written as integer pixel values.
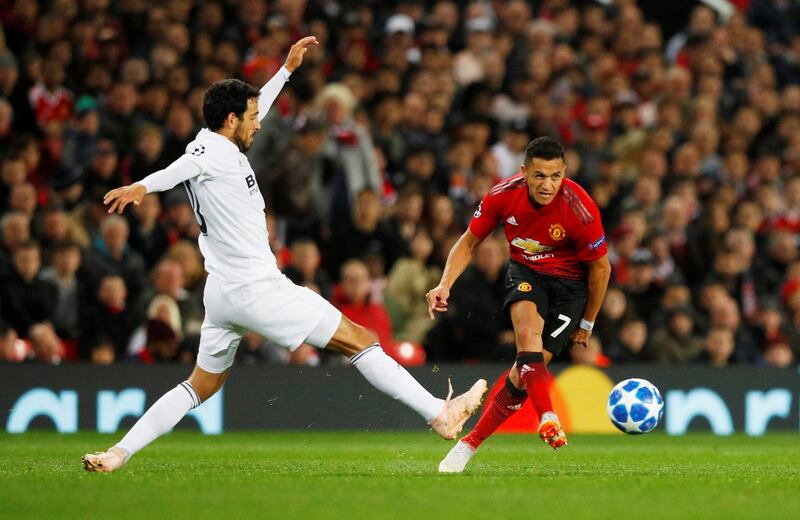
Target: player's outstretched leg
(505, 401)
(446, 417)
(158, 420)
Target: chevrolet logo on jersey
(530, 245)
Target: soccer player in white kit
(245, 290)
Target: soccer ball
(635, 406)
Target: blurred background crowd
(378, 150)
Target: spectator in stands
(56, 228)
(630, 343)
(27, 298)
(12, 173)
(113, 256)
(103, 167)
(478, 329)
(719, 347)
(148, 156)
(613, 314)
(642, 291)
(162, 345)
(407, 216)
(72, 286)
(67, 191)
(779, 355)
(676, 343)
(180, 221)
(365, 233)
(148, 235)
(297, 186)
(351, 297)
(409, 281)
(188, 256)
(782, 250)
(109, 316)
(102, 351)
(22, 198)
(725, 313)
(305, 270)
(118, 122)
(510, 150)
(16, 231)
(81, 134)
(419, 171)
(349, 144)
(52, 104)
(168, 280)
(775, 327)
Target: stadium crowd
(376, 154)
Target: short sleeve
(485, 218)
(591, 240)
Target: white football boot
(456, 411)
(457, 458)
(104, 461)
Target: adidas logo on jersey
(515, 407)
(524, 369)
(511, 220)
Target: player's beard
(244, 141)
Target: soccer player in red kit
(556, 282)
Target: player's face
(544, 178)
(248, 125)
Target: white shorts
(279, 310)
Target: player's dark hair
(543, 148)
(224, 97)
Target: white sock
(393, 380)
(160, 418)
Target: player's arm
(599, 274)
(457, 261)
(179, 171)
(270, 91)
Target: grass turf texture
(370, 475)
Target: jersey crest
(557, 231)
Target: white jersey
(227, 203)
(230, 211)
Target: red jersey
(49, 106)
(553, 240)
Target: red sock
(505, 403)
(533, 372)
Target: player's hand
(437, 300)
(121, 197)
(580, 338)
(298, 50)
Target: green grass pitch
(367, 475)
